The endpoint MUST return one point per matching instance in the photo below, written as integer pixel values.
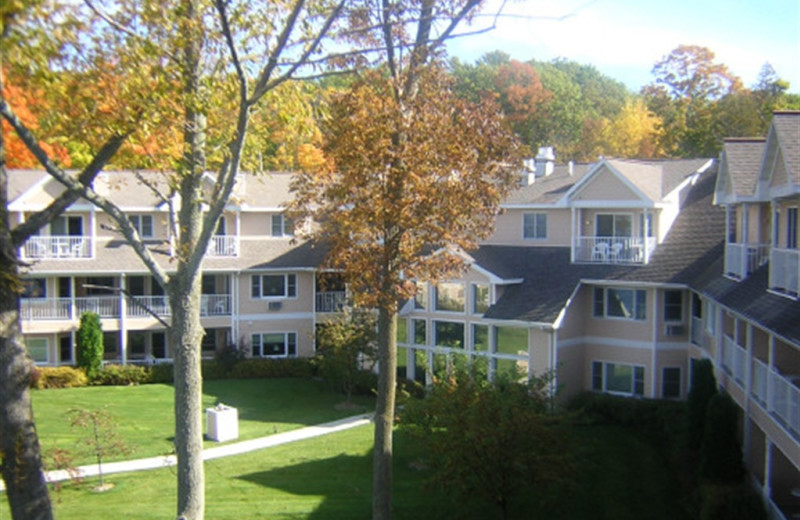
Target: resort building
(615, 276)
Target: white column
(492, 333)
(93, 231)
(654, 360)
(767, 489)
(123, 331)
(748, 387)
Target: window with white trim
(534, 226)
(448, 334)
(673, 306)
(615, 378)
(273, 286)
(791, 228)
(480, 298)
(420, 331)
(282, 226)
(671, 383)
(143, 224)
(619, 303)
(449, 297)
(273, 344)
(38, 349)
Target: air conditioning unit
(274, 306)
(676, 330)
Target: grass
(620, 476)
(144, 414)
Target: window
(671, 383)
(421, 296)
(448, 334)
(534, 226)
(791, 228)
(38, 349)
(143, 224)
(65, 349)
(480, 298)
(274, 286)
(274, 344)
(282, 226)
(617, 378)
(480, 337)
(420, 332)
(34, 288)
(67, 226)
(627, 304)
(614, 225)
(673, 306)
(450, 297)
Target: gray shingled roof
(549, 189)
(743, 157)
(787, 126)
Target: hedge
(58, 377)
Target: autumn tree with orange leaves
(414, 181)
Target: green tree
(343, 345)
(702, 388)
(89, 352)
(721, 460)
(417, 173)
(490, 440)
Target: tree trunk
(185, 336)
(384, 415)
(20, 454)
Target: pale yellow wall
(605, 186)
(671, 358)
(302, 303)
(508, 230)
(539, 345)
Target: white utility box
(222, 423)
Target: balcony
(331, 301)
(58, 247)
(784, 271)
(613, 250)
(779, 395)
(743, 259)
(223, 246)
(46, 309)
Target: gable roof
(786, 126)
(740, 163)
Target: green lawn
(144, 414)
(620, 477)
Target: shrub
(272, 368)
(214, 369)
(161, 373)
(59, 377)
(117, 375)
(702, 389)
(89, 352)
(731, 502)
(721, 459)
(227, 357)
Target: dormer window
(143, 224)
(282, 226)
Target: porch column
(73, 314)
(745, 239)
(575, 235)
(93, 232)
(645, 234)
(748, 388)
(123, 330)
(767, 489)
(492, 333)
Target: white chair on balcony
(600, 251)
(616, 251)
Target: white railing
(331, 301)
(760, 381)
(743, 259)
(783, 401)
(784, 272)
(58, 247)
(215, 305)
(734, 359)
(697, 331)
(45, 308)
(157, 304)
(223, 245)
(613, 250)
(103, 306)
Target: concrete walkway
(227, 450)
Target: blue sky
(625, 38)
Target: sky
(623, 39)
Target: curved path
(226, 450)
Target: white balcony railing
(223, 245)
(783, 401)
(697, 331)
(103, 306)
(734, 360)
(331, 301)
(215, 305)
(743, 259)
(613, 250)
(784, 271)
(157, 304)
(58, 247)
(45, 308)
